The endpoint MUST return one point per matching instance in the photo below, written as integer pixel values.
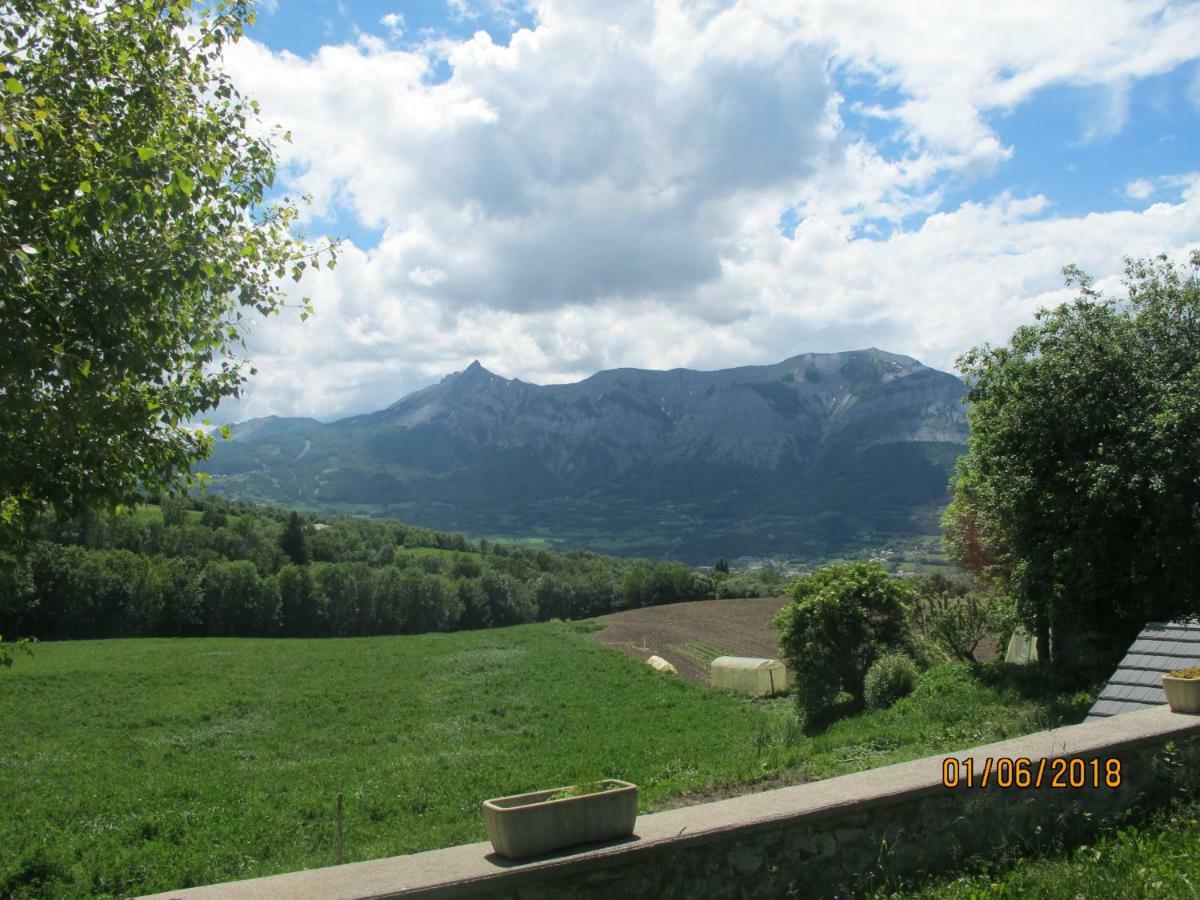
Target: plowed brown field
(692, 635)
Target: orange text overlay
(1022, 772)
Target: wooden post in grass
(339, 846)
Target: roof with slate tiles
(1137, 683)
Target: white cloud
(1106, 119)
(461, 10)
(955, 60)
(394, 23)
(1139, 189)
(964, 277)
(605, 189)
(569, 166)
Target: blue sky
(304, 26)
(560, 186)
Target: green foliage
(586, 627)
(1153, 857)
(956, 615)
(174, 510)
(890, 677)
(1081, 488)
(594, 786)
(9, 651)
(764, 582)
(652, 584)
(166, 570)
(152, 760)
(842, 618)
(136, 242)
(292, 541)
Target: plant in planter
(1182, 688)
(542, 821)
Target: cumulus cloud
(963, 277)
(573, 164)
(954, 60)
(1139, 189)
(605, 189)
(394, 23)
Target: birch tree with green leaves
(137, 244)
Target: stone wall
(835, 837)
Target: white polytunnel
(748, 675)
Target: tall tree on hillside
(1081, 487)
(135, 245)
(292, 541)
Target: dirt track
(691, 635)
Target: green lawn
(140, 765)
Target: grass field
(140, 765)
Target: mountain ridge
(634, 460)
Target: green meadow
(139, 765)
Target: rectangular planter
(530, 824)
(1183, 694)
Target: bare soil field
(692, 635)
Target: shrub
(892, 676)
(843, 618)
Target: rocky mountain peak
(819, 447)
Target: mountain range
(810, 456)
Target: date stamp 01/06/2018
(1062, 773)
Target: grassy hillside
(141, 765)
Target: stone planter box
(1183, 694)
(532, 824)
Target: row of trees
(214, 568)
(60, 592)
(214, 527)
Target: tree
(842, 619)
(135, 242)
(174, 511)
(291, 540)
(955, 615)
(1080, 491)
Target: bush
(843, 618)
(892, 676)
